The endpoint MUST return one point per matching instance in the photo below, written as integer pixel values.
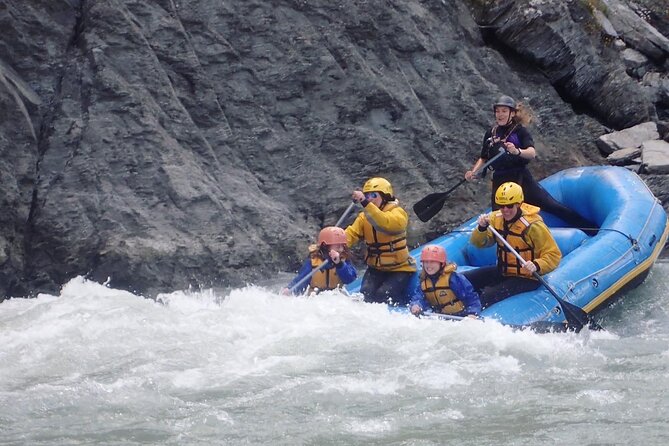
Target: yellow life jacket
(515, 236)
(439, 294)
(385, 251)
(325, 279)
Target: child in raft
(441, 289)
(331, 248)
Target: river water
(96, 365)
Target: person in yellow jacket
(524, 229)
(382, 225)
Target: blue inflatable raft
(633, 230)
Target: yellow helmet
(509, 193)
(378, 185)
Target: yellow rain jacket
(528, 235)
(384, 232)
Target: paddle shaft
(570, 315)
(345, 214)
(476, 172)
(458, 184)
(308, 277)
(441, 316)
(523, 261)
(328, 262)
(489, 162)
(429, 206)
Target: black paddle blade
(429, 206)
(577, 318)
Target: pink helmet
(332, 235)
(433, 253)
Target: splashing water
(102, 366)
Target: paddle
(308, 277)
(575, 316)
(346, 212)
(328, 262)
(430, 206)
(448, 317)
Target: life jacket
(326, 278)
(385, 251)
(506, 163)
(439, 293)
(515, 235)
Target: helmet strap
(516, 217)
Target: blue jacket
(463, 290)
(345, 270)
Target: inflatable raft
(595, 269)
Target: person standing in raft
(331, 246)
(509, 132)
(383, 226)
(441, 288)
(522, 227)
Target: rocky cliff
(167, 143)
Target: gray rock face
(166, 144)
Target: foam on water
(98, 365)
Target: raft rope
(632, 240)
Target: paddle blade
(576, 317)
(429, 206)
